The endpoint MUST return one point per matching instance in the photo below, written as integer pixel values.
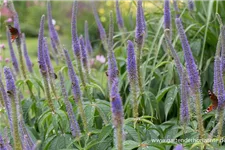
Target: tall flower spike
(50, 69)
(74, 126)
(2, 144)
(76, 88)
(11, 90)
(52, 32)
(100, 28)
(177, 11)
(117, 114)
(25, 53)
(184, 112)
(132, 75)
(167, 17)
(112, 66)
(191, 5)
(42, 63)
(84, 55)
(6, 102)
(87, 39)
(190, 63)
(179, 147)
(140, 25)
(75, 40)
(12, 53)
(41, 58)
(175, 56)
(16, 21)
(139, 38)
(192, 74)
(119, 17)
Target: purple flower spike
(2, 144)
(179, 147)
(74, 126)
(167, 16)
(191, 5)
(190, 63)
(176, 8)
(41, 58)
(75, 40)
(184, 112)
(84, 54)
(131, 63)
(219, 85)
(52, 32)
(119, 16)
(13, 56)
(99, 24)
(116, 105)
(16, 21)
(140, 24)
(47, 58)
(10, 83)
(73, 77)
(25, 53)
(87, 40)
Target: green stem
(119, 137)
(139, 55)
(14, 111)
(220, 126)
(199, 115)
(48, 95)
(135, 100)
(82, 114)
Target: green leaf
(132, 132)
(129, 144)
(162, 92)
(90, 113)
(170, 97)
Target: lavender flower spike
(132, 75)
(16, 21)
(184, 112)
(119, 16)
(47, 59)
(140, 25)
(2, 144)
(11, 90)
(167, 14)
(175, 56)
(41, 58)
(191, 66)
(52, 32)
(117, 114)
(177, 11)
(74, 126)
(12, 53)
(100, 28)
(25, 53)
(112, 66)
(75, 40)
(76, 88)
(87, 40)
(84, 55)
(191, 5)
(6, 102)
(179, 147)
(192, 74)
